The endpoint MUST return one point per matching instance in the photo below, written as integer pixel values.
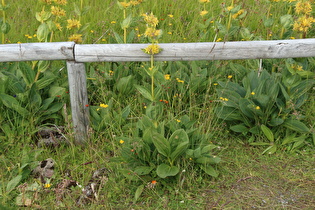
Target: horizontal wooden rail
(37, 51)
(76, 55)
(198, 51)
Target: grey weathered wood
(79, 101)
(198, 51)
(36, 51)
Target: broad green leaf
(55, 91)
(35, 99)
(138, 192)
(125, 85)
(165, 170)
(144, 92)
(259, 143)
(179, 136)
(161, 144)
(209, 170)
(296, 125)
(276, 122)
(118, 38)
(27, 73)
(240, 128)
(268, 133)
(208, 160)
(12, 103)
(271, 149)
(143, 170)
(42, 32)
(13, 183)
(55, 107)
(5, 27)
(208, 148)
(125, 112)
(126, 22)
(244, 107)
(180, 149)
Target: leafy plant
(269, 104)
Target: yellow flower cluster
(303, 7)
(203, 12)
(224, 99)
(151, 20)
(77, 38)
(303, 24)
(204, 1)
(125, 5)
(59, 2)
(234, 16)
(152, 49)
(72, 23)
(305, 21)
(153, 33)
(57, 11)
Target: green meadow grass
(247, 179)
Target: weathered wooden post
(79, 101)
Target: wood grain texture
(79, 101)
(36, 51)
(198, 51)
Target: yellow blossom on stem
(203, 12)
(152, 49)
(167, 76)
(58, 26)
(72, 23)
(125, 4)
(152, 32)
(103, 105)
(47, 185)
(150, 19)
(61, 2)
(77, 38)
(121, 141)
(230, 77)
(57, 11)
(303, 24)
(303, 7)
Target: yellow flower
(303, 7)
(113, 22)
(230, 77)
(77, 38)
(150, 19)
(204, 1)
(179, 80)
(103, 105)
(229, 8)
(47, 185)
(252, 93)
(134, 3)
(257, 107)
(238, 14)
(215, 84)
(121, 141)
(61, 2)
(58, 26)
(125, 4)
(57, 11)
(303, 24)
(170, 33)
(72, 23)
(152, 32)
(167, 76)
(177, 120)
(170, 15)
(203, 12)
(152, 49)
(219, 40)
(47, 1)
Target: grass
(247, 179)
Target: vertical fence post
(79, 101)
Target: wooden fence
(76, 55)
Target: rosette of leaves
(160, 150)
(269, 104)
